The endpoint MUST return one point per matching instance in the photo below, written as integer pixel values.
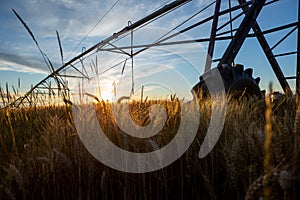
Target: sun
(106, 95)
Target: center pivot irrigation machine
(236, 79)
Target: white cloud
(74, 19)
(12, 66)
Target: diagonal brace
(268, 51)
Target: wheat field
(257, 155)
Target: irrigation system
(56, 82)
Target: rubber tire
(237, 82)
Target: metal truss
(249, 11)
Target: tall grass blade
(60, 48)
(32, 36)
(19, 83)
(123, 68)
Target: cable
(107, 12)
(114, 41)
(162, 38)
(125, 35)
(158, 40)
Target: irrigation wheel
(238, 83)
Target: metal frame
(56, 75)
(250, 10)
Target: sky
(171, 69)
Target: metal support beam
(171, 6)
(242, 32)
(270, 56)
(278, 28)
(298, 54)
(195, 25)
(285, 54)
(213, 33)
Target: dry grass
(43, 158)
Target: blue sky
(73, 19)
